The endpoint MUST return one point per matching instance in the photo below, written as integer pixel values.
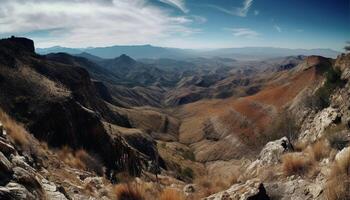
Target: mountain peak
(125, 59)
(18, 44)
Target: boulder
(251, 190)
(272, 152)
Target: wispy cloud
(278, 28)
(79, 23)
(243, 32)
(256, 12)
(237, 11)
(180, 4)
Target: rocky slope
(80, 126)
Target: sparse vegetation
(338, 184)
(189, 155)
(171, 194)
(335, 136)
(211, 185)
(80, 159)
(296, 164)
(14, 130)
(321, 98)
(187, 173)
(128, 192)
(284, 124)
(319, 150)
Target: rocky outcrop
(18, 180)
(315, 129)
(295, 188)
(272, 152)
(270, 155)
(251, 190)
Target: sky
(179, 23)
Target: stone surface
(272, 152)
(314, 130)
(251, 190)
(295, 188)
(6, 148)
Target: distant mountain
(154, 52)
(58, 49)
(247, 53)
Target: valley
(86, 127)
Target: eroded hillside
(79, 127)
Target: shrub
(80, 159)
(189, 155)
(128, 192)
(338, 184)
(319, 150)
(209, 185)
(187, 173)
(296, 164)
(92, 163)
(171, 194)
(336, 137)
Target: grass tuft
(16, 131)
(296, 164)
(338, 184)
(171, 194)
(128, 192)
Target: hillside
(85, 127)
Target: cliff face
(60, 105)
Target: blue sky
(179, 23)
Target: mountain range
(155, 52)
(84, 127)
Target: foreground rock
(251, 190)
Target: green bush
(189, 155)
(187, 173)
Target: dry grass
(211, 185)
(320, 150)
(338, 184)
(128, 192)
(16, 131)
(171, 194)
(80, 159)
(299, 146)
(296, 164)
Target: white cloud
(237, 11)
(180, 4)
(278, 28)
(243, 32)
(79, 23)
